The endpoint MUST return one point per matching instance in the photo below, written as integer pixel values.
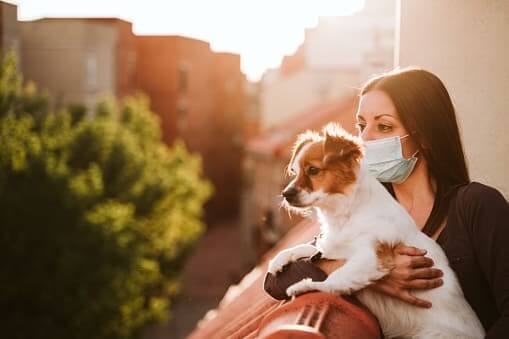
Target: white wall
(466, 43)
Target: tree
(97, 215)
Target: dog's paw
(281, 260)
(303, 286)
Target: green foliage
(96, 213)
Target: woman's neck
(417, 194)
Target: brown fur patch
(342, 155)
(385, 254)
(312, 157)
(302, 140)
(336, 152)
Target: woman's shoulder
(476, 194)
(481, 206)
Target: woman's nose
(366, 134)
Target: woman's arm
(412, 271)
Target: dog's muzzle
(291, 194)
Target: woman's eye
(313, 170)
(384, 128)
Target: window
(182, 115)
(91, 71)
(183, 77)
(131, 67)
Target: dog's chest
(337, 246)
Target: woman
(469, 220)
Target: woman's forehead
(375, 103)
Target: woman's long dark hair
(426, 111)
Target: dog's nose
(290, 193)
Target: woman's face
(377, 118)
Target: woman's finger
(385, 287)
(420, 262)
(409, 250)
(399, 293)
(408, 297)
(425, 273)
(423, 284)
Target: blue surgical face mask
(385, 161)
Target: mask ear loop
(415, 153)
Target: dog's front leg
(358, 272)
(291, 254)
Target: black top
(476, 242)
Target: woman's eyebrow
(359, 116)
(383, 114)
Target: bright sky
(261, 31)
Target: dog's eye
(313, 170)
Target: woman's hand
(412, 270)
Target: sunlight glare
(261, 31)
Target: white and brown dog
(362, 223)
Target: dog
(361, 222)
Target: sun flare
(262, 31)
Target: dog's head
(323, 166)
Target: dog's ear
(340, 146)
(302, 140)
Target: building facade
(199, 96)
(9, 39)
(336, 57)
(78, 61)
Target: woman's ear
(416, 137)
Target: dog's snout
(290, 193)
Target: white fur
(309, 198)
(352, 225)
(294, 166)
(292, 254)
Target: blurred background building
(9, 39)
(335, 58)
(78, 61)
(199, 96)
